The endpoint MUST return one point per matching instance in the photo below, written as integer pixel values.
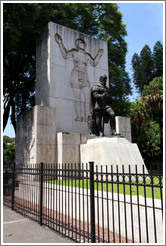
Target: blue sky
(144, 26)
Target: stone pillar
(68, 146)
(123, 126)
(36, 136)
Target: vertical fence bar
(41, 193)
(52, 226)
(59, 196)
(37, 189)
(68, 176)
(53, 194)
(72, 195)
(79, 177)
(98, 222)
(102, 204)
(154, 214)
(160, 186)
(65, 198)
(75, 202)
(13, 185)
(138, 206)
(107, 203)
(119, 220)
(56, 202)
(113, 220)
(146, 215)
(83, 201)
(62, 198)
(87, 193)
(92, 202)
(124, 192)
(131, 203)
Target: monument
(69, 64)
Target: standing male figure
(79, 78)
(100, 97)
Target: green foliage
(158, 59)
(138, 114)
(9, 146)
(152, 97)
(23, 22)
(151, 145)
(147, 65)
(145, 132)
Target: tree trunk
(13, 117)
(6, 115)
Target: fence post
(92, 202)
(41, 192)
(13, 185)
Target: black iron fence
(88, 203)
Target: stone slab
(59, 72)
(123, 126)
(68, 147)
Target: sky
(144, 25)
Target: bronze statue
(101, 111)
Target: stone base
(113, 151)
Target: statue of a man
(79, 80)
(101, 109)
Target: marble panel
(75, 62)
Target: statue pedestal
(113, 151)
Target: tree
(139, 116)
(23, 22)
(8, 151)
(158, 59)
(147, 65)
(150, 144)
(152, 98)
(145, 132)
(115, 32)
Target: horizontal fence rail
(88, 203)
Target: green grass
(115, 187)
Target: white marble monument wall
(68, 64)
(36, 136)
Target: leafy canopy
(9, 145)
(145, 132)
(147, 65)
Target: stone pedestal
(112, 151)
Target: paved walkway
(19, 229)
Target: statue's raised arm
(65, 53)
(94, 61)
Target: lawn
(127, 188)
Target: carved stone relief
(79, 81)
